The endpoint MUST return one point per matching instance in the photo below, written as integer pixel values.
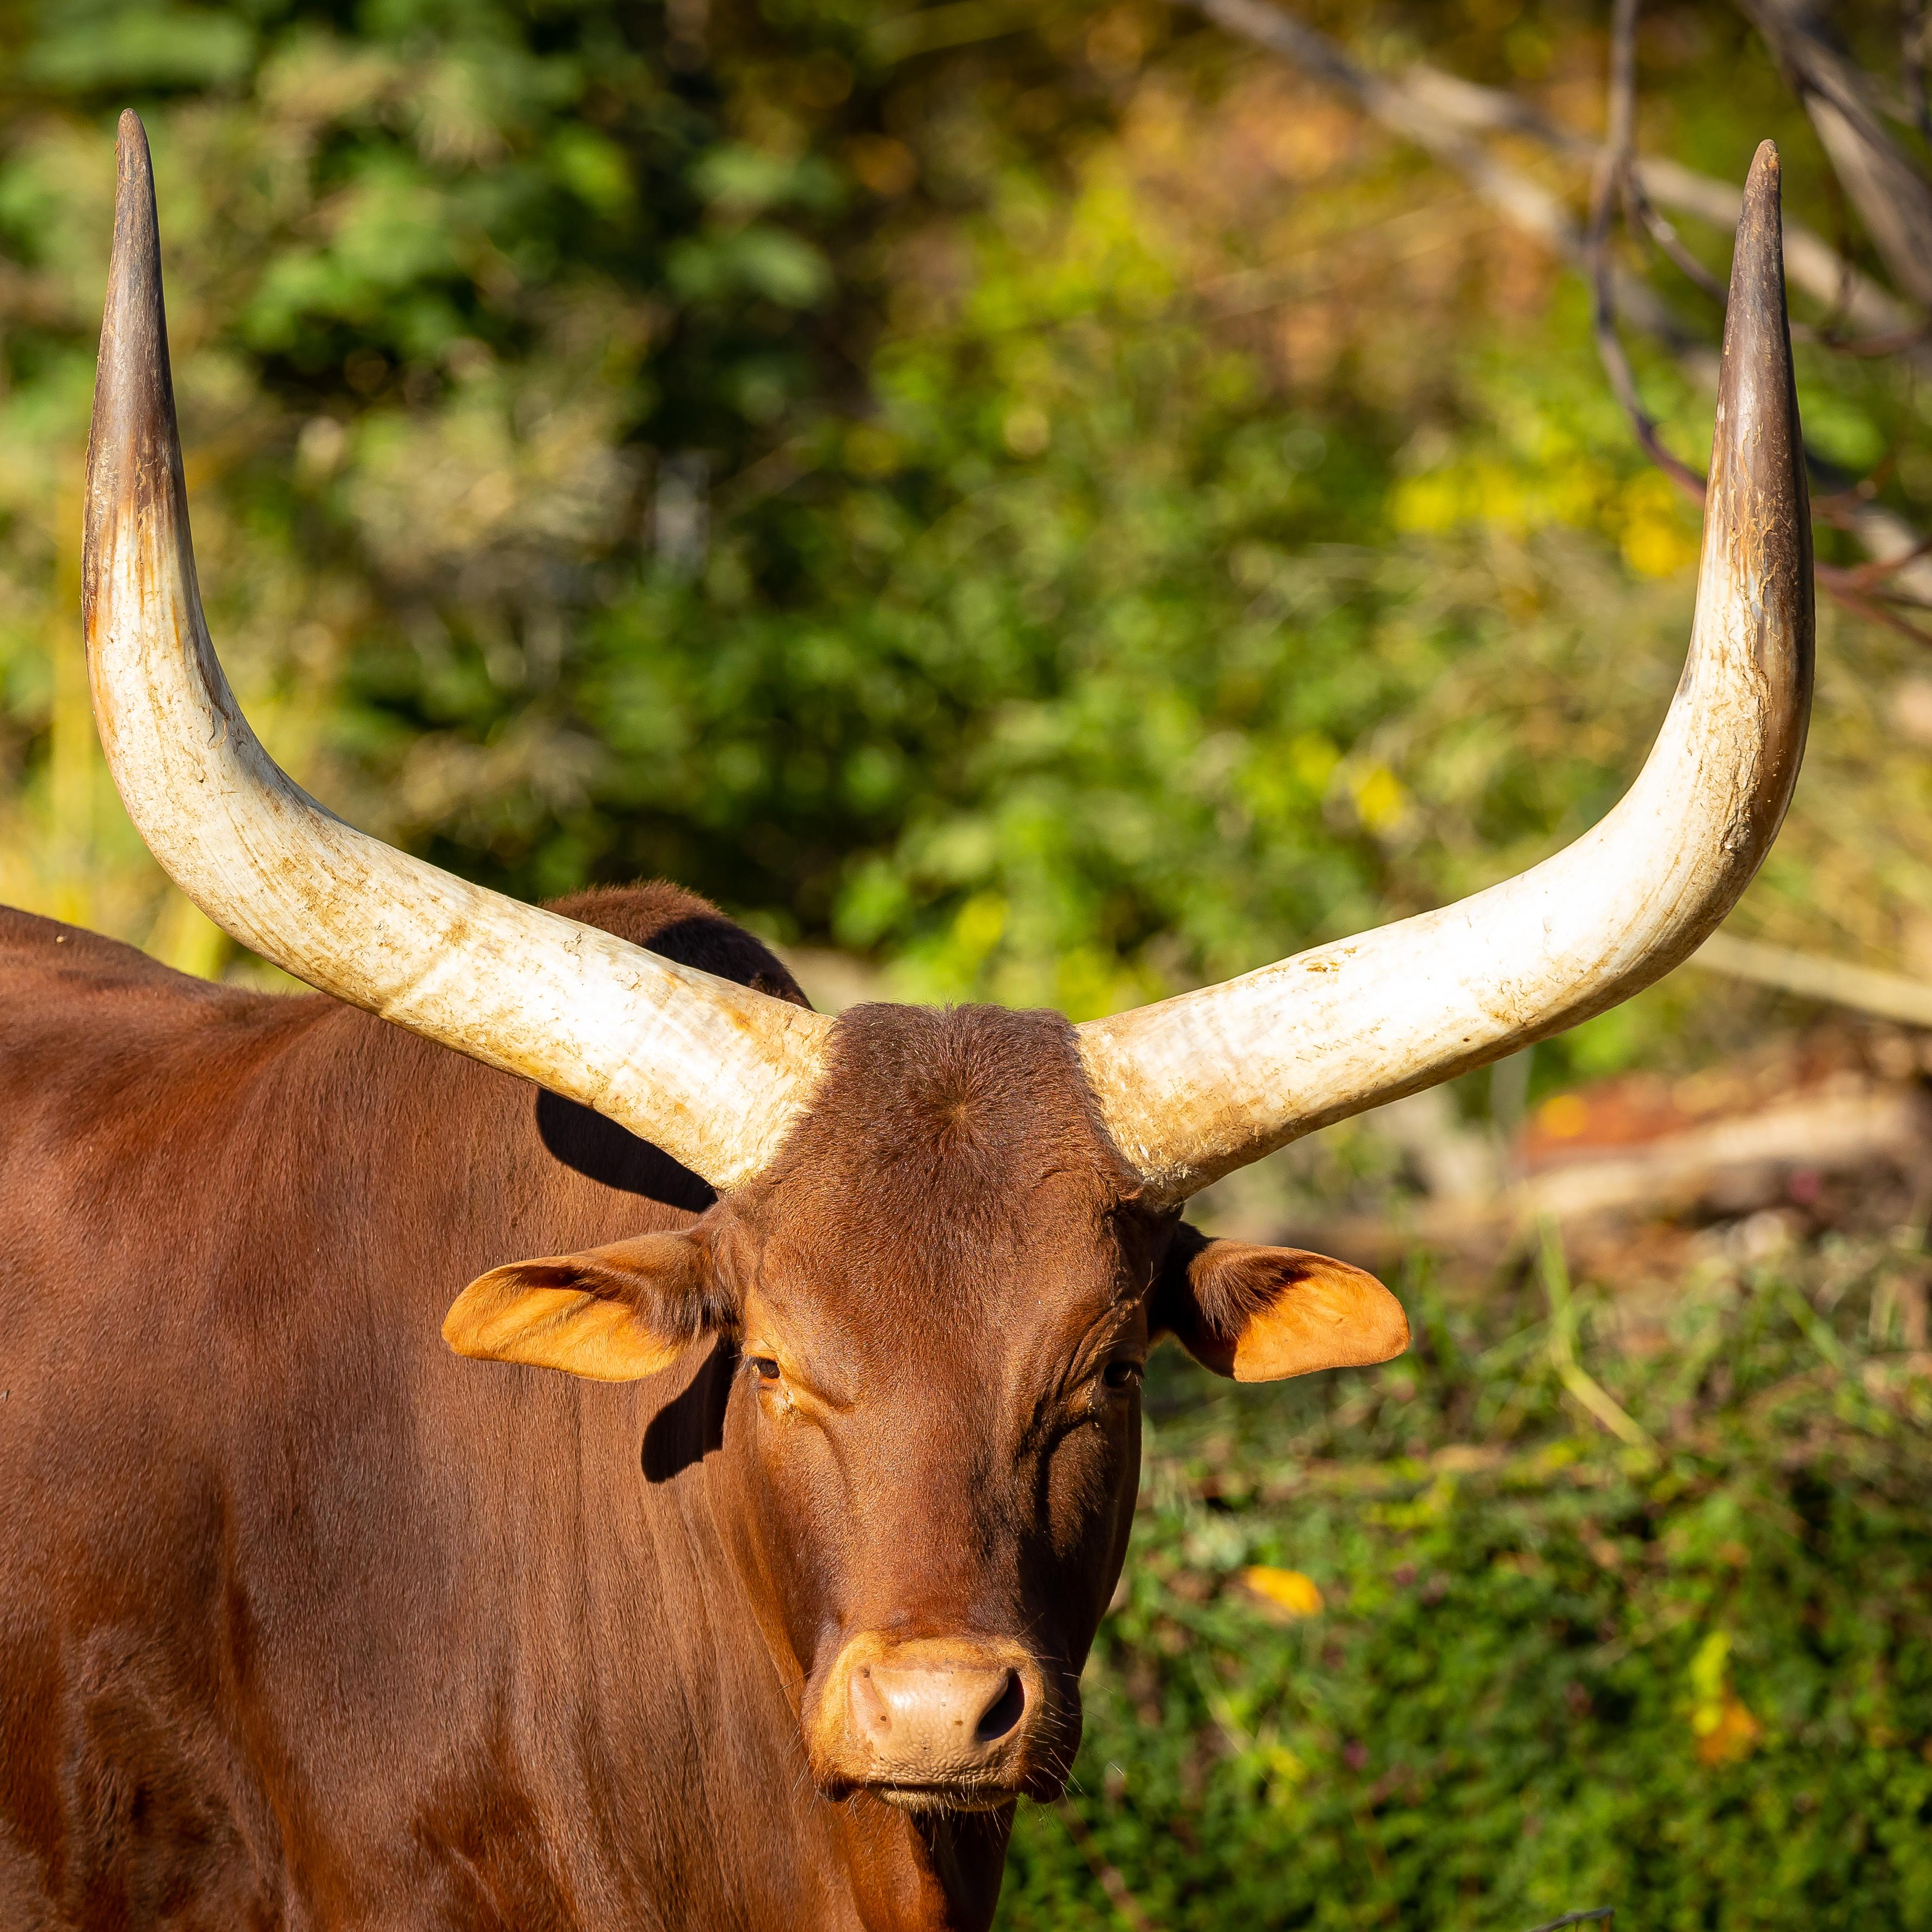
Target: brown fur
(305, 1621)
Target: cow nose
(931, 1713)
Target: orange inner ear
(580, 1313)
(1261, 1314)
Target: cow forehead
(952, 1164)
(941, 1110)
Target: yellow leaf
(1381, 800)
(1286, 1591)
(1286, 1773)
(1727, 1735)
(1708, 1670)
(979, 923)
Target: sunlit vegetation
(1531, 1666)
(1055, 505)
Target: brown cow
(768, 1609)
(309, 1620)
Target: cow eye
(1122, 1375)
(765, 1368)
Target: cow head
(940, 1294)
(945, 1239)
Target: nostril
(1003, 1713)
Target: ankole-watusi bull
(746, 1579)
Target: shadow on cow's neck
(691, 1425)
(601, 1150)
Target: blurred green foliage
(1552, 1669)
(1054, 505)
(1045, 499)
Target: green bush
(1555, 1669)
(1068, 516)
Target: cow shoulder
(39, 955)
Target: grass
(1683, 1669)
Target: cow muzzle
(937, 1724)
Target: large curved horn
(1199, 1085)
(710, 1071)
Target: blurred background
(1057, 502)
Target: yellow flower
(1381, 802)
(1726, 1732)
(1288, 1592)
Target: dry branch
(1443, 114)
(1886, 996)
(1811, 261)
(1893, 199)
(1612, 181)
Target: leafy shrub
(1554, 1670)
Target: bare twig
(1893, 198)
(1616, 165)
(1440, 112)
(1872, 588)
(1812, 264)
(1880, 607)
(1889, 996)
(1863, 590)
(1915, 41)
(1525, 202)
(1610, 184)
(1640, 212)
(1864, 574)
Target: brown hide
(304, 1621)
(307, 1621)
(951, 1234)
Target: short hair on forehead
(942, 1142)
(954, 1098)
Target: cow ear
(1261, 1315)
(614, 1315)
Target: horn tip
(1756, 313)
(134, 396)
(1757, 520)
(1762, 187)
(135, 171)
(134, 166)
